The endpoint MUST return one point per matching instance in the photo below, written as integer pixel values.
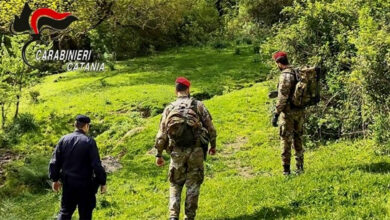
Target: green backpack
(307, 89)
(183, 123)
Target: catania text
(75, 59)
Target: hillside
(243, 181)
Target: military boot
(299, 169)
(286, 170)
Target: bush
(199, 24)
(247, 40)
(237, 51)
(321, 33)
(29, 174)
(98, 128)
(25, 122)
(381, 128)
(4, 140)
(256, 49)
(220, 45)
(266, 12)
(34, 94)
(109, 60)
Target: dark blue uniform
(77, 163)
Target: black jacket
(75, 160)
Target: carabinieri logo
(45, 18)
(40, 19)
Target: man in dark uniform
(77, 163)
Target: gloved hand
(160, 161)
(103, 189)
(56, 186)
(275, 120)
(212, 151)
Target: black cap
(83, 119)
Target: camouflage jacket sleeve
(207, 121)
(162, 136)
(286, 83)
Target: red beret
(279, 54)
(184, 81)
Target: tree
(14, 75)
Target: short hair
(181, 87)
(283, 60)
(79, 125)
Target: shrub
(220, 45)
(256, 49)
(381, 129)
(25, 122)
(109, 60)
(29, 174)
(97, 128)
(4, 140)
(266, 12)
(247, 40)
(237, 51)
(199, 24)
(320, 33)
(34, 94)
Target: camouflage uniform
(186, 167)
(291, 119)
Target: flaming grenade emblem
(43, 18)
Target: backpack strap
(294, 72)
(189, 103)
(194, 104)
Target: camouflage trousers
(291, 131)
(187, 169)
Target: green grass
(343, 180)
(115, 98)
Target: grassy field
(343, 180)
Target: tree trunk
(17, 106)
(3, 116)
(18, 101)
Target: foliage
(34, 95)
(14, 76)
(27, 174)
(199, 24)
(253, 19)
(266, 12)
(247, 166)
(120, 100)
(127, 28)
(343, 179)
(24, 123)
(371, 66)
(347, 39)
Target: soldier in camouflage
(291, 118)
(186, 167)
